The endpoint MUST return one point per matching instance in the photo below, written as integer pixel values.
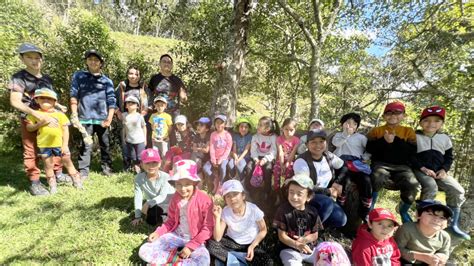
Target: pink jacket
(220, 146)
(200, 218)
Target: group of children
(294, 182)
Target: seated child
(134, 132)
(297, 222)
(314, 125)
(432, 162)
(246, 228)
(241, 147)
(189, 225)
(220, 145)
(200, 152)
(52, 140)
(374, 244)
(161, 123)
(153, 184)
(287, 144)
(425, 241)
(181, 142)
(350, 146)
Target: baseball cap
(180, 119)
(45, 92)
(319, 121)
(203, 120)
(150, 155)
(394, 106)
(302, 179)
(422, 205)
(132, 99)
(434, 110)
(316, 134)
(29, 47)
(221, 117)
(94, 52)
(379, 214)
(232, 186)
(161, 99)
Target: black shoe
(38, 190)
(107, 172)
(63, 179)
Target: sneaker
(53, 186)
(63, 178)
(38, 190)
(77, 181)
(107, 172)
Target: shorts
(48, 152)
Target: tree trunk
(314, 82)
(232, 66)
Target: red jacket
(200, 218)
(366, 250)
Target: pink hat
(379, 214)
(150, 155)
(184, 169)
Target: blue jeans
(330, 213)
(234, 258)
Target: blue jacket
(95, 95)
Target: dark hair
(287, 122)
(272, 124)
(167, 55)
(433, 209)
(352, 116)
(310, 191)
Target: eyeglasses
(393, 113)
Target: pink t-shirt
(220, 146)
(288, 145)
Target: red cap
(434, 110)
(150, 155)
(378, 214)
(394, 106)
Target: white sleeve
(336, 162)
(301, 167)
(339, 139)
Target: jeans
(331, 214)
(429, 187)
(234, 258)
(86, 150)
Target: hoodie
(366, 250)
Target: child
(134, 132)
(330, 253)
(350, 147)
(189, 225)
(241, 147)
(52, 140)
(246, 228)
(432, 162)
(286, 145)
(391, 146)
(374, 244)
(297, 222)
(181, 142)
(161, 124)
(93, 105)
(152, 183)
(263, 151)
(314, 125)
(220, 145)
(425, 241)
(200, 152)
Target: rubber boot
(375, 195)
(454, 227)
(403, 209)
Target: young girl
(220, 145)
(134, 132)
(240, 147)
(181, 142)
(263, 152)
(200, 152)
(189, 225)
(245, 230)
(286, 145)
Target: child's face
(289, 130)
(166, 64)
(32, 60)
(297, 196)
(160, 106)
(350, 123)
(180, 127)
(131, 106)
(431, 124)
(133, 75)
(45, 103)
(220, 125)
(243, 129)
(315, 126)
(433, 220)
(382, 229)
(151, 168)
(263, 128)
(93, 64)
(316, 146)
(201, 128)
(234, 200)
(185, 188)
(393, 118)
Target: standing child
(200, 152)
(374, 244)
(181, 142)
(189, 225)
(432, 162)
(241, 147)
(425, 241)
(161, 125)
(297, 222)
(154, 185)
(246, 228)
(134, 132)
(286, 145)
(314, 125)
(220, 145)
(52, 141)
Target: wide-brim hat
(45, 92)
(184, 169)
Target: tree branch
(300, 21)
(317, 19)
(332, 19)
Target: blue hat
(203, 120)
(422, 205)
(29, 47)
(316, 134)
(221, 117)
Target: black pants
(86, 150)
(158, 213)
(219, 250)
(263, 196)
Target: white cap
(232, 186)
(181, 119)
(319, 121)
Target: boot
(403, 209)
(454, 227)
(375, 195)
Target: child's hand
(250, 249)
(300, 244)
(338, 188)
(262, 162)
(106, 123)
(217, 211)
(185, 253)
(441, 174)
(389, 136)
(430, 259)
(152, 237)
(145, 208)
(333, 192)
(428, 172)
(136, 221)
(347, 129)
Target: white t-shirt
(242, 229)
(323, 170)
(134, 124)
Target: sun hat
(379, 214)
(184, 169)
(232, 186)
(45, 92)
(150, 155)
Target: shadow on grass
(134, 258)
(12, 174)
(116, 203)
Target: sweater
(220, 145)
(398, 152)
(434, 152)
(263, 146)
(154, 192)
(353, 145)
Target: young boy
(432, 162)
(161, 124)
(153, 184)
(297, 222)
(425, 241)
(374, 244)
(314, 125)
(22, 87)
(52, 141)
(200, 153)
(93, 105)
(391, 146)
(134, 132)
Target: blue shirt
(241, 142)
